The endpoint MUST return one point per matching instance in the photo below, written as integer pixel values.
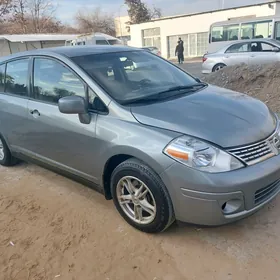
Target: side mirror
(275, 49)
(75, 105)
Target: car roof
(72, 51)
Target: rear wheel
(6, 158)
(140, 197)
(218, 67)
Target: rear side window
(17, 76)
(101, 42)
(2, 77)
(238, 48)
(52, 81)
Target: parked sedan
(160, 143)
(257, 51)
(154, 50)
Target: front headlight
(201, 155)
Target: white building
(192, 28)
(10, 44)
(122, 28)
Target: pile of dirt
(259, 81)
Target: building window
(195, 44)
(202, 43)
(151, 37)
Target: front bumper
(216, 199)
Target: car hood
(221, 116)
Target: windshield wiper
(187, 87)
(158, 96)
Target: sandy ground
(54, 228)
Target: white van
(94, 39)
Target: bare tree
(41, 13)
(19, 21)
(95, 21)
(155, 12)
(5, 8)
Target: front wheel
(141, 198)
(6, 158)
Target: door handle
(35, 113)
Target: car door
(55, 138)
(262, 53)
(237, 54)
(14, 94)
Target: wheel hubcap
(219, 68)
(136, 200)
(2, 154)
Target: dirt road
(54, 228)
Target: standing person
(179, 52)
(182, 54)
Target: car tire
(218, 67)
(6, 158)
(141, 197)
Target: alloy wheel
(136, 200)
(2, 153)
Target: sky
(66, 9)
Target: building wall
(4, 48)
(121, 26)
(196, 24)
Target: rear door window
(2, 77)
(17, 77)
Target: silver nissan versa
(162, 144)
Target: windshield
(133, 75)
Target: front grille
(254, 153)
(264, 193)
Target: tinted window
(237, 48)
(225, 33)
(267, 47)
(262, 47)
(134, 74)
(256, 30)
(277, 31)
(2, 77)
(101, 42)
(95, 103)
(52, 80)
(16, 77)
(114, 42)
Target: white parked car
(255, 51)
(154, 50)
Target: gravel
(259, 81)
